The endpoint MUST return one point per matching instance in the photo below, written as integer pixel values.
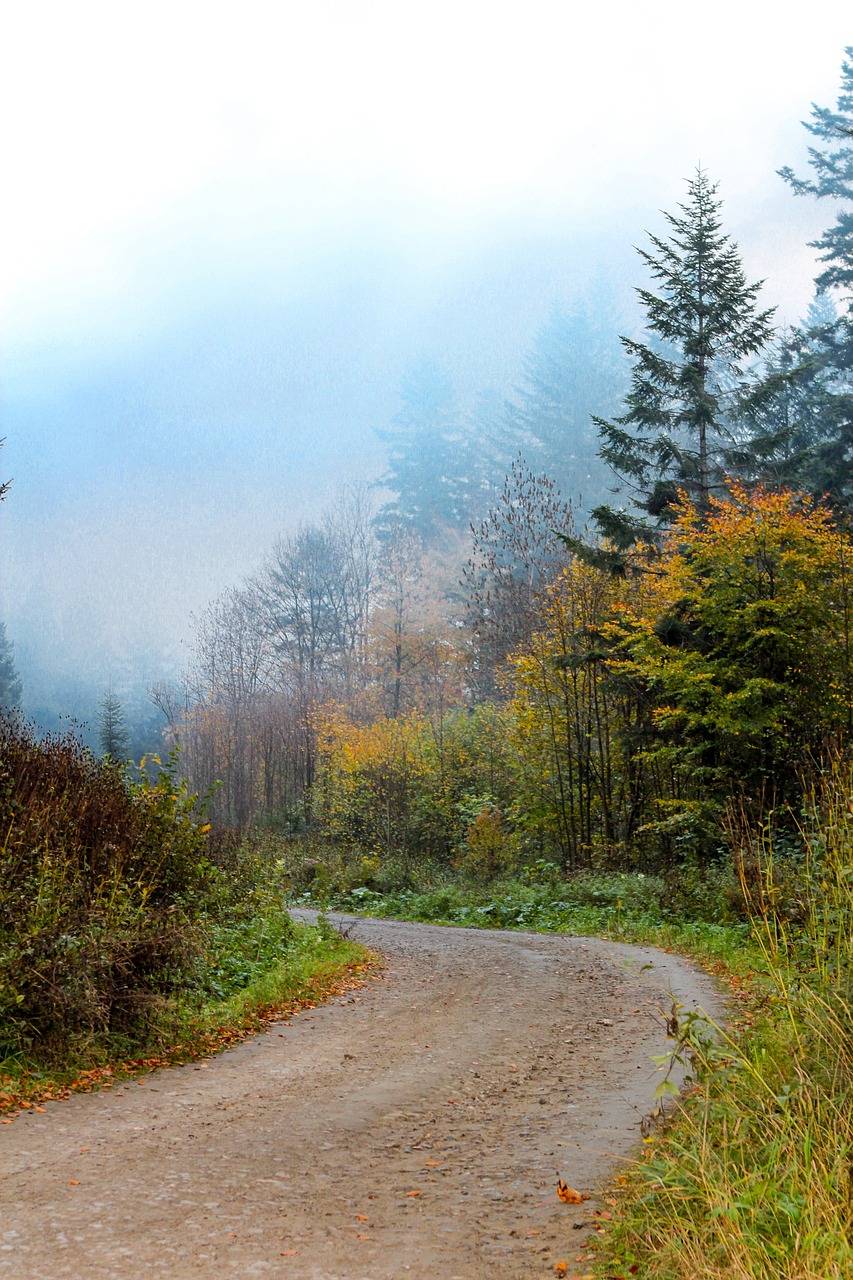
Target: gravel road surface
(415, 1127)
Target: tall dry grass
(755, 1179)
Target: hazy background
(229, 232)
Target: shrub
(102, 881)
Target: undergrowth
(319, 963)
(755, 1178)
(128, 931)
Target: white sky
(114, 112)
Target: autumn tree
(744, 647)
(703, 323)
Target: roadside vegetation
(128, 935)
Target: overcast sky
(116, 114)
(187, 166)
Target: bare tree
(517, 551)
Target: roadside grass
(314, 964)
(627, 907)
(752, 1177)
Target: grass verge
(319, 964)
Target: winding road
(414, 1127)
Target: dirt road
(413, 1128)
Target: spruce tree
(11, 689)
(703, 323)
(576, 368)
(428, 469)
(831, 160)
(113, 732)
(784, 412)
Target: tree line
(466, 674)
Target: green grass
(627, 907)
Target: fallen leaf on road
(288, 1253)
(413, 1193)
(74, 1183)
(433, 1164)
(568, 1195)
(561, 1267)
(362, 1217)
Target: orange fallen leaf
(433, 1164)
(413, 1193)
(288, 1253)
(561, 1267)
(534, 1232)
(42, 1109)
(362, 1217)
(74, 1183)
(359, 1235)
(568, 1195)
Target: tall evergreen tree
(784, 410)
(113, 731)
(11, 690)
(428, 469)
(703, 323)
(831, 160)
(576, 368)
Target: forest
(473, 694)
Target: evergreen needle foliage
(703, 323)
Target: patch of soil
(415, 1127)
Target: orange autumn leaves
(568, 1195)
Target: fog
(227, 245)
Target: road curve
(414, 1127)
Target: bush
(102, 884)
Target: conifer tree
(427, 469)
(703, 323)
(784, 411)
(831, 160)
(113, 732)
(11, 689)
(576, 368)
